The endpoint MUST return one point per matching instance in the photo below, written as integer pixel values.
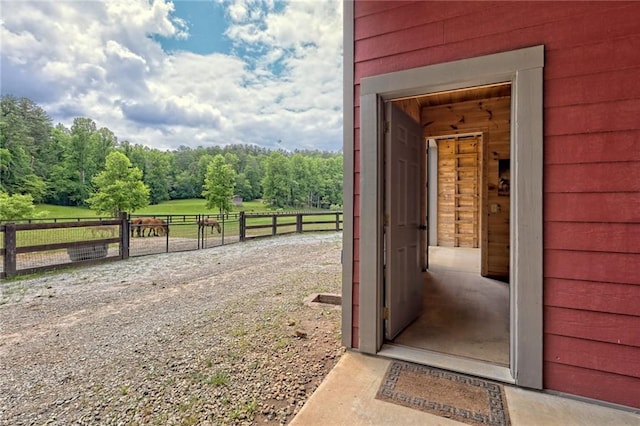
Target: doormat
(455, 396)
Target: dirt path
(216, 336)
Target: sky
(195, 73)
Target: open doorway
(464, 224)
(367, 293)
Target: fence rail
(36, 245)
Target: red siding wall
(592, 162)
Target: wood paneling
(593, 148)
(606, 86)
(364, 8)
(492, 117)
(594, 384)
(602, 117)
(592, 156)
(606, 207)
(613, 358)
(599, 237)
(459, 191)
(408, 39)
(592, 296)
(403, 17)
(621, 268)
(598, 326)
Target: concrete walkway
(347, 397)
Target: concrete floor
(464, 314)
(347, 397)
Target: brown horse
(152, 225)
(211, 222)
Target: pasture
(43, 243)
(174, 207)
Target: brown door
(459, 191)
(403, 275)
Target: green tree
(14, 207)
(219, 184)
(277, 179)
(119, 188)
(253, 173)
(25, 130)
(157, 175)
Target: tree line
(59, 165)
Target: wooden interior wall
(492, 118)
(459, 191)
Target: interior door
(403, 275)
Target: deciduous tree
(119, 188)
(219, 184)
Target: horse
(152, 225)
(211, 222)
(156, 226)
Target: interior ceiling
(463, 95)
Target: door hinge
(385, 313)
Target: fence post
(223, 227)
(274, 224)
(124, 236)
(9, 250)
(299, 223)
(337, 221)
(242, 225)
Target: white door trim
(523, 68)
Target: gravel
(216, 336)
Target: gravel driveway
(217, 336)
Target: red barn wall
(591, 163)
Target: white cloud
(99, 60)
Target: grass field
(173, 207)
(180, 227)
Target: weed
(124, 390)
(189, 420)
(220, 378)
(281, 343)
(238, 332)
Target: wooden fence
(27, 248)
(287, 223)
(34, 246)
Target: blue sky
(193, 73)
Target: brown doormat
(458, 397)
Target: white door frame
(523, 68)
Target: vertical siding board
(592, 296)
(594, 384)
(617, 359)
